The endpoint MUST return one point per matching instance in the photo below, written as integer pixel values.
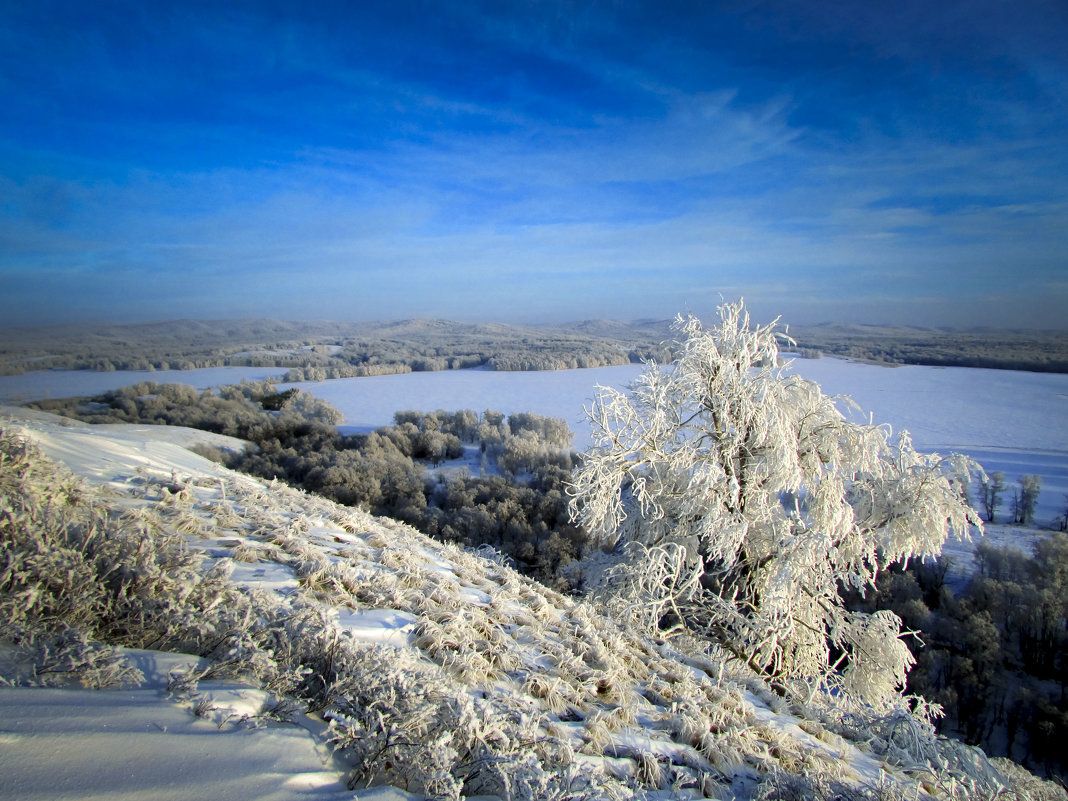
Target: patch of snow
(114, 454)
(378, 626)
(138, 745)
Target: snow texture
(468, 674)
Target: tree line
(323, 350)
(1035, 351)
(316, 351)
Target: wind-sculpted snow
(427, 669)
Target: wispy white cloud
(543, 164)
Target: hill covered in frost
(254, 641)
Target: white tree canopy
(746, 500)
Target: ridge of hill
(429, 669)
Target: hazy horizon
(535, 163)
(708, 318)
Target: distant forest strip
(320, 351)
(315, 352)
(1035, 351)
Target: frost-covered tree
(1027, 499)
(990, 489)
(747, 502)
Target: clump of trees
(992, 487)
(994, 657)
(517, 504)
(745, 503)
(242, 410)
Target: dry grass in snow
(425, 667)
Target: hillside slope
(430, 670)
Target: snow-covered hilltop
(332, 654)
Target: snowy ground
(139, 743)
(538, 673)
(135, 743)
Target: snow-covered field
(42, 384)
(535, 694)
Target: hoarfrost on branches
(748, 502)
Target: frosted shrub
(405, 723)
(1026, 786)
(746, 498)
(55, 658)
(248, 552)
(122, 580)
(401, 726)
(550, 689)
(783, 786)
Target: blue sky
(880, 162)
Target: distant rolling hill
(359, 348)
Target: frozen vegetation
(608, 729)
(328, 651)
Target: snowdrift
(325, 653)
